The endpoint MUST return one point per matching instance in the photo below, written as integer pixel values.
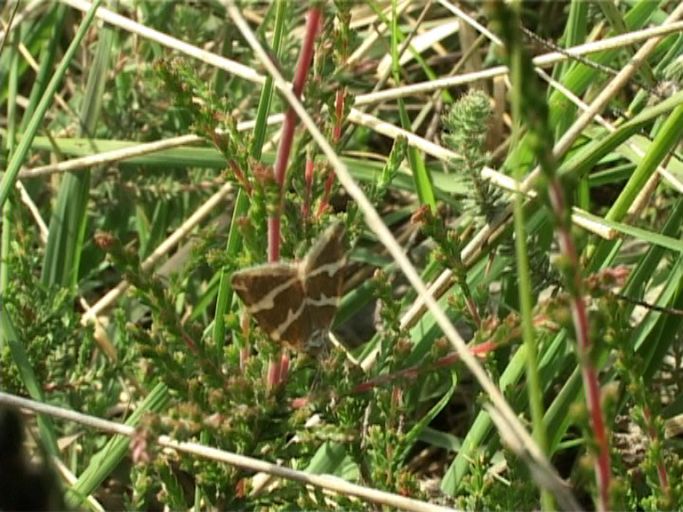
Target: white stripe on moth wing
(291, 317)
(329, 268)
(268, 300)
(323, 301)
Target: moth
(295, 302)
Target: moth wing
(274, 295)
(324, 273)
(329, 248)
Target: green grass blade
(19, 156)
(529, 338)
(668, 137)
(575, 30)
(414, 433)
(10, 145)
(590, 154)
(68, 220)
(423, 181)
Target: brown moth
(295, 303)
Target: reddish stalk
(481, 349)
(284, 367)
(288, 126)
(313, 20)
(239, 176)
(274, 238)
(339, 112)
(325, 200)
(409, 373)
(244, 358)
(589, 374)
(529, 106)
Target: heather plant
(495, 185)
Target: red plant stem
(189, 341)
(663, 477)
(589, 374)
(325, 201)
(396, 397)
(409, 373)
(288, 126)
(481, 349)
(284, 149)
(274, 238)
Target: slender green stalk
(535, 113)
(534, 388)
(10, 143)
(423, 180)
(47, 59)
(575, 34)
(266, 98)
(224, 298)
